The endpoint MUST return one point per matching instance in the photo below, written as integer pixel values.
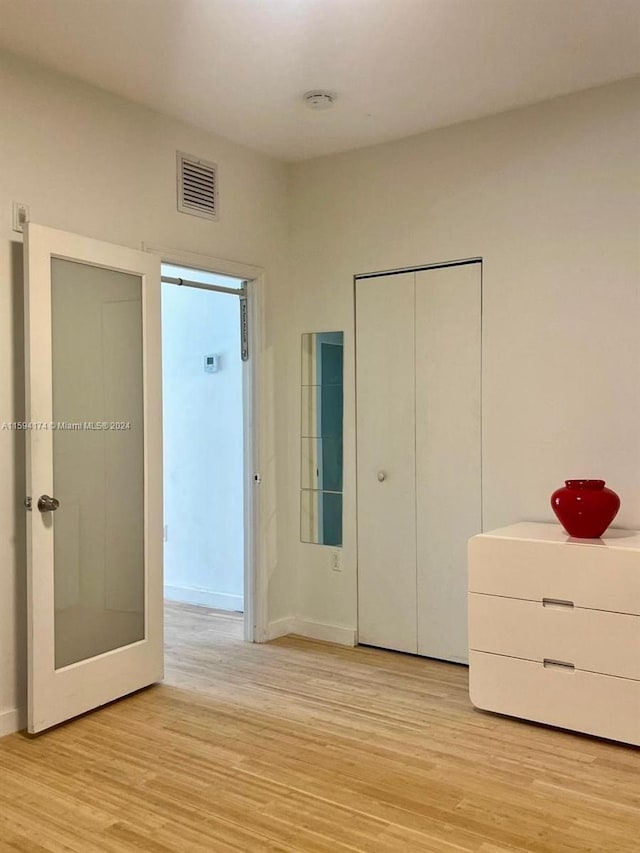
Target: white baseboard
(204, 597)
(328, 633)
(12, 721)
(313, 630)
(279, 628)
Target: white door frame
(255, 586)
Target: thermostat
(211, 363)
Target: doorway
(93, 349)
(204, 429)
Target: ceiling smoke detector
(319, 99)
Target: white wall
(549, 197)
(95, 164)
(203, 443)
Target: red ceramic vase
(585, 508)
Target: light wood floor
(300, 746)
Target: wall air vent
(197, 186)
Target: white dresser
(554, 628)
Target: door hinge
(244, 328)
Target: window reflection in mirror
(321, 438)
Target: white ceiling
(400, 67)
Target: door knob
(382, 476)
(48, 504)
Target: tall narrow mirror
(321, 438)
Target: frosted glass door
(98, 472)
(94, 473)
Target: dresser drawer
(593, 640)
(599, 577)
(596, 704)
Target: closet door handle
(48, 504)
(382, 476)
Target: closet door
(448, 451)
(385, 372)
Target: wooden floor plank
(303, 746)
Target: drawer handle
(557, 602)
(558, 664)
